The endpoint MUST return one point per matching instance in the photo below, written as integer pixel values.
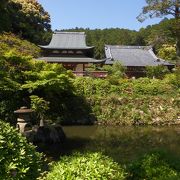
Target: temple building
(70, 50)
(134, 58)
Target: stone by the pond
(46, 134)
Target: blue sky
(95, 14)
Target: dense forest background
(160, 36)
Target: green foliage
(10, 42)
(99, 49)
(90, 97)
(22, 77)
(153, 166)
(167, 52)
(155, 35)
(86, 166)
(18, 158)
(160, 34)
(39, 105)
(11, 71)
(142, 86)
(115, 72)
(27, 18)
(46, 81)
(146, 86)
(159, 8)
(75, 99)
(8, 105)
(162, 8)
(136, 110)
(51, 82)
(90, 86)
(173, 79)
(131, 102)
(14, 65)
(156, 71)
(47, 77)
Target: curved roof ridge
(153, 55)
(70, 32)
(129, 47)
(67, 40)
(71, 59)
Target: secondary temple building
(135, 58)
(70, 50)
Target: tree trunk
(178, 46)
(177, 18)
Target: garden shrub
(156, 71)
(21, 77)
(173, 78)
(151, 167)
(131, 102)
(86, 166)
(116, 70)
(91, 86)
(167, 51)
(146, 86)
(18, 159)
(9, 41)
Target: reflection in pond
(123, 144)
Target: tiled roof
(70, 60)
(133, 56)
(67, 40)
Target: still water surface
(123, 144)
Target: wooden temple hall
(69, 49)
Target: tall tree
(4, 17)
(160, 8)
(26, 18)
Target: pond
(123, 144)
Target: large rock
(46, 134)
